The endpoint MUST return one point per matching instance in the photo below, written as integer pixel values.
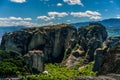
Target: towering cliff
(89, 38)
(52, 40)
(111, 59)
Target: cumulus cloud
(52, 15)
(59, 4)
(18, 1)
(57, 14)
(15, 18)
(45, 18)
(74, 2)
(91, 14)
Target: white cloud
(59, 4)
(18, 23)
(15, 18)
(118, 16)
(90, 14)
(45, 18)
(95, 17)
(52, 15)
(74, 2)
(12, 18)
(18, 1)
(3, 19)
(57, 14)
(29, 19)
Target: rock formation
(107, 58)
(35, 60)
(52, 40)
(89, 38)
(111, 59)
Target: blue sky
(45, 12)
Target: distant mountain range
(112, 25)
(113, 22)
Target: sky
(47, 12)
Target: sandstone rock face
(52, 40)
(35, 60)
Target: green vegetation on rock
(11, 64)
(58, 72)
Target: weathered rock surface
(52, 40)
(89, 38)
(35, 60)
(111, 59)
(107, 58)
(92, 39)
(75, 57)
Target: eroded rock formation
(111, 60)
(89, 38)
(35, 60)
(52, 40)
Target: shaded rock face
(52, 40)
(107, 58)
(89, 38)
(35, 60)
(111, 61)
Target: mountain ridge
(111, 22)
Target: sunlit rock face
(52, 40)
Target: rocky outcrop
(111, 59)
(35, 60)
(52, 40)
(107, 58)
(92, 38)
(89, 38)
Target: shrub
(11, 64)
(87, 70)
(58, 72)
